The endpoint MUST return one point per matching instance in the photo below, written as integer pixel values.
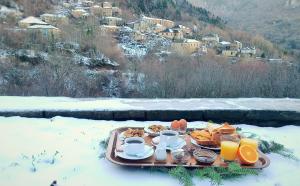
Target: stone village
(111, 22)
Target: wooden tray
(114, 140)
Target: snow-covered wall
(272, 112)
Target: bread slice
(226, 128)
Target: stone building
(109, 29)
(112, 21)
(79, 13)
(35, 25)
(55, 19)
(248, 52)
(173, 34)
(211, 40)
(183, 29)
(105, 9)
(186, 46)
(30, 21)
(148, 24)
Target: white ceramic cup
(134, 145)
(170, 137)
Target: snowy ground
(28, 146)
(15, 103)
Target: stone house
(139, 26)
(186, 46)
(148, 24)
(211, 40)
(87, 3)
(112, 21)
(185, 30)
(237, 45)
(153, 21)
(30, 21)
(116, 11)
(106, 5)
(105, 9)
(96, 10)
(55, 19)
(46, 30)
(158, 28)
(35, 25)
(172, 34)
(109, 29)
(248, 51)
(167, 33)
(229, 49)
(79, 13)
(230, 53)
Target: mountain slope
(277, 20)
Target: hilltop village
(179, 38)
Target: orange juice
(251, 142)
(229, 150)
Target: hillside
(277, 20)
(144, 49)
(177, 10)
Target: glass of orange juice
(229, 147)
(251, 142)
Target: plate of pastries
(209, 137)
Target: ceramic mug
(134, 145)
(170, 137)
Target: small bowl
(205, 156)
(180, 156)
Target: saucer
(180, 143)
(148, 151)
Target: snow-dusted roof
(42, 27)
(191, 41)
(109, 26)
(111, 17)
(225, 43)
(33, 20)
(79, 10)
(52, 15)
(96, 6)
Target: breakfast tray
(115, 141)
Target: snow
(78, 163)
(133, 48)
(33, 20)
(59, 103)
(15, 103)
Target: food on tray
(247, 155)
(157, 128)
(210, 136)
(229, 150)
(180, 156)
(250, 142)
(202, 137)
(226, 128)
(175, 124)
(181, 124)
(205, 156)
(134, 133)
